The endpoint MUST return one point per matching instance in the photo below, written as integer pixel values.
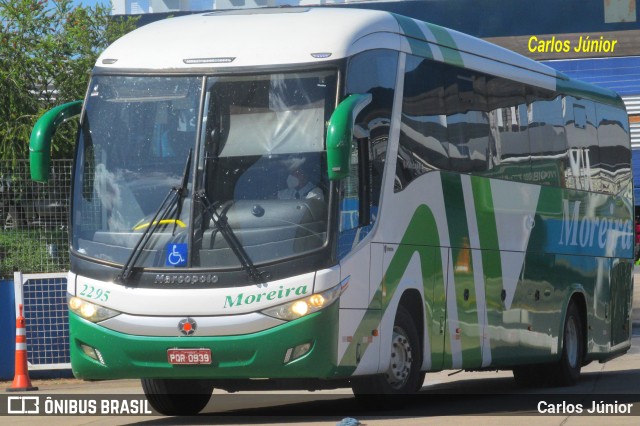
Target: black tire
(403, 375)
(420, 382)
(177, 397)
(566, 371)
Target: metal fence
(34, 219)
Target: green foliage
(47, 51)
(28, 252)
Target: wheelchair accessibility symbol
(176, 254)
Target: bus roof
(278, 36)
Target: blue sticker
(176, 254)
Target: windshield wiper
(175, 195)
(227, 233)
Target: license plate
(189, 356)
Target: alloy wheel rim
(571, 342)
(401, 359)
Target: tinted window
(547, 138)
(583, 168)
(465, 121)
(615, 156)
(461, 120)
(372, 72)
(423, 131)
(509, 130)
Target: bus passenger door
(358, 345)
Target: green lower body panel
(256, 355)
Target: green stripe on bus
(447, 44)
(487, 227)
(421, 236)
(491, 260)
(415, 36)
(465, 289)
(580, 89)
(456, 210)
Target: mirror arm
(41, 135)
(340, 133)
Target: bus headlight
(308, 305)
(89, 311)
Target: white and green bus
(319, 197)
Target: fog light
(297, 352)
(92, 353)
(301, 350)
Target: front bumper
(256, 355)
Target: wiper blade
(227, 233)
(182, 190)
(176, 194)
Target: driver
(298, 184)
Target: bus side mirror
(41, 135)
(340, 134)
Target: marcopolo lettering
(242, 299)
(186, 279)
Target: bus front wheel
(403, 374)
(177, 397)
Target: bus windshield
(259, 181)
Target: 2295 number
(94, 293)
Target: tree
(47, 51)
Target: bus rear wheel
(177, 397)
(566, 371)
(403, 374)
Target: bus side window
(372, 72)
(584, 157)
(549, 151)
(615, 158)
(358, 208)
(349, 195)
(468, 129)
(423, 129)
(511, 155)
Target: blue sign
(176, 254)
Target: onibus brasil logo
(65, 405)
